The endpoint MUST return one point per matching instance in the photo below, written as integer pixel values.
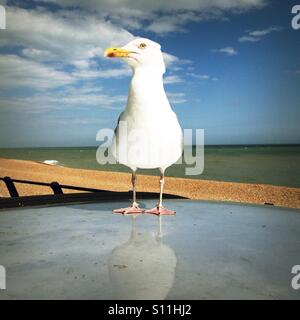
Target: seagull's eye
(142, 46)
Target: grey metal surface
(207, 251)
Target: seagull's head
(138, 53)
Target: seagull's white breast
(148, 134)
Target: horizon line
(191, 145)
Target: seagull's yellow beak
(116, 53)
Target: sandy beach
(190, 188)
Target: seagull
(148, 134)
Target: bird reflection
(143, 267)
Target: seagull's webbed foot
(160, 210)
(134, 209)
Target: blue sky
(232, 68)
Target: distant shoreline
(119, 181)
(206, 146)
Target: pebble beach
(262, 194)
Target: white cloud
(248, 39)
(161, 16)
(81, 64)
(158, 16)
(104, 73)
(257, 35)
(133, 8)
(229, 51)
(52, 42)
(200, 76)
(69, 98)
(171, 60)
(67, 121)
(20, 72)
(172, 23)
(261, 33)
(37, 55)
(177, 98)
(58, 36)
(172, 79)
(174, 64)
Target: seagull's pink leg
(159, 209)
(134, 208)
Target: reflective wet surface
(207, 251)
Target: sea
(264, 164)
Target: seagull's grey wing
(120, 116)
